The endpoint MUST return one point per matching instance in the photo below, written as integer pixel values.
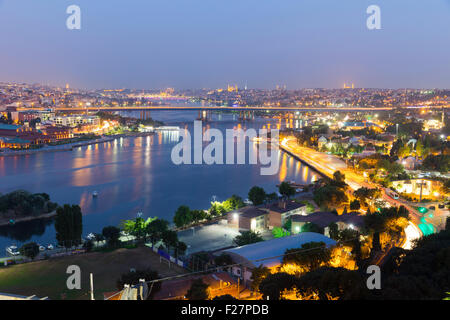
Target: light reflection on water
(134, 175)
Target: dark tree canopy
(257, 195)
(286, 190)
(30, 250)
(183, 216)
(274, 284)
(247, 237)
(69, 225)
(198, 290)
(111, 235)
(311, 255)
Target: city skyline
(209, 45)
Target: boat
(12, 250)
(50, 247)
(41, 248)
(248, 202)
(90, 236)
(95, 194)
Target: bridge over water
(209, 108)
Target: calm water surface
(133, 175)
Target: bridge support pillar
(204, 115)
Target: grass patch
(48, 277)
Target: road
(327, 164)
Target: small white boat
(50, 247)
(248, 202)
(95, 194)
(41, 248)
(90, 236)
(12, 250)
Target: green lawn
(48, 277)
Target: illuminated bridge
(207, 108)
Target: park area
(48, 277)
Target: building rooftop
(324, 219)
(270, 253)
(285, 206)
(251, 212)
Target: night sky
(209, 43)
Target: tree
(310, 256)
(278, 232)
(112, 235)
(155, 230)
(170, 239)
(233, 203)
(183, 216)
(216, 209)
(328, 283)
(364, 194)
(29, 250)
(404, 151)
(198, 215)
(132, 278)
(68, 225)
(333, 230)
(420, 149)
(271, 197)
(355, 205)
(422, 273)
(257, 195)
(273, 285)
(439, 163)
(180, 248)
(198, 290)
(339, 179)
(258, 275)
(247, 237)
(137, 227)
(329, 196)
(286, 190)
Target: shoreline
(71, 146)
(5, 222)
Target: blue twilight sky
(209, 43)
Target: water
(133, 175)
